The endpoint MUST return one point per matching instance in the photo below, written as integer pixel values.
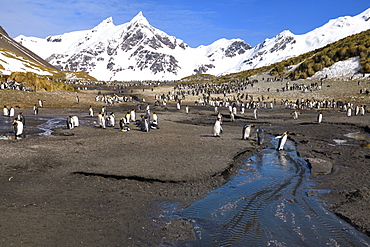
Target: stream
(266, 204)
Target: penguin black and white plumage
(104, 111)
(127, 118)
(122, 126)
(283, 138)
(101, 120)
(35, 109)
(319, 117)
(133, 115)
(11, 111)
(247, 131)
(295, 115)
(217, 128)
(154, 124)
(91, 112)
(110, 119)
(18, 128)
(70, 122)
(5, 111)
(349, 112)
(260, 135)
(146, 124)
(75, 121)
(232, 116)
(255, 114)
(21, 118)
(362, 110)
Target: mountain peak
(139, 18)
(366, 15)
(105, 23)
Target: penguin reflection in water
(282, 140)
(260, 135)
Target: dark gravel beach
(102, 187)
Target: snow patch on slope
(14, 63)
(344, 69)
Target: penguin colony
(238, 104)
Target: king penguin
(18, 128)
(247, 130)
(282, 140)
(91, 112)
(75, 121)
(319, 117)
(70, 124)
(217, 128)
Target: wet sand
(102, 187)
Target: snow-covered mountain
(15, 57)
(138, 51)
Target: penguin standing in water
(260, 135)
(18, 128)
(319, 117)
(217, 128)
(282, 140)
(247, 130)
(70, 124)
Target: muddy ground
(102, 187)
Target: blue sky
(196, 22)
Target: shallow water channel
(266, 204)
